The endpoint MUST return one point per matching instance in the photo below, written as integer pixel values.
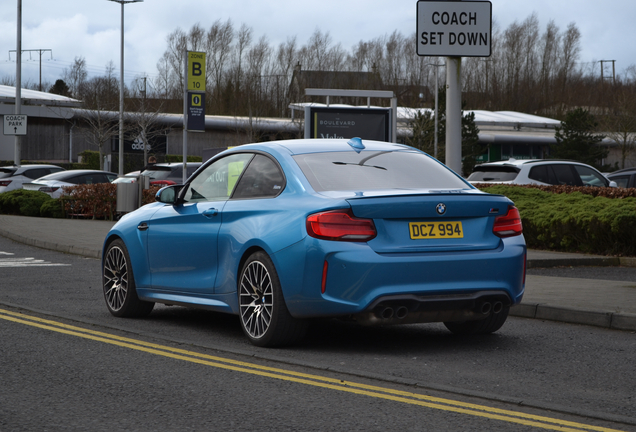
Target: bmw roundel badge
(441, 208)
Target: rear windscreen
(376, 170)
(494, 173)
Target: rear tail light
(162, 182)
(340, 225)
(508, 225)
(5, 182)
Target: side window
(36, 173)
(565, 175)
(589, 177)
(622, 181)
(262, 179)
(543, 174)
(217, 181)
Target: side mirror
(613, 184)
(168, 194)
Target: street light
(121, 86)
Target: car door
(182, 238)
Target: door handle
(210, 213)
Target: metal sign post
(454, 29)
(193, 100)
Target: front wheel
(264, 316)
(490, 324)
(119, 284)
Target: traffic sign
(454, 28)
(15, 124)
(196, 71)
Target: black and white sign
(15, 124)
(454, 28)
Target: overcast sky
(91, 28)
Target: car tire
(264, 316)
(490, 324)
(119, 284)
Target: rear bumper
(407, 309)
(358, 280)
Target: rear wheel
(119, 284)
(490, 324)
(265, 319)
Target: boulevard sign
(15, 124)
(454, 28)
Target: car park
(624, 177)
(12, 177)
(539, 171)
(285, 231)
(54, 184)
(162, 174)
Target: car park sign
(454, 28)
(15, 124)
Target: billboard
(338, 122)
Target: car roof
(317, 145)
(519, 162)
(23, 167)
(623, 171)
(72, 173)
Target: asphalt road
(79, 381)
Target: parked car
(624, 177)
(283, 231)
(53, 184)
(162, 174)
(539, 171)
(12, 177)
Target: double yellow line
(307, 379)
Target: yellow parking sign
(196, 71)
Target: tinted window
(565, 175)
(6, 172)
(261, 179)
(543, 174)
(372, 170)
(36, 173)
(216, 182)
(494, 173)
(590, 177)
(621, 181)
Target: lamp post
(121, 86)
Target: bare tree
(75, 75)
(99, 114)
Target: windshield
(377, 170)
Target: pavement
(601, 303)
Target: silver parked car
(54, 184)
(13, 177)
(539, 171)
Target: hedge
(563, 218)
(587, 219)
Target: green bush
(90, 159)
(574, 222)
(179, 158)
(22, 202)
(52, 208)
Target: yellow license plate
(435, 230)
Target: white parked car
(53, 184)
(539, 171)
(13, 177)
